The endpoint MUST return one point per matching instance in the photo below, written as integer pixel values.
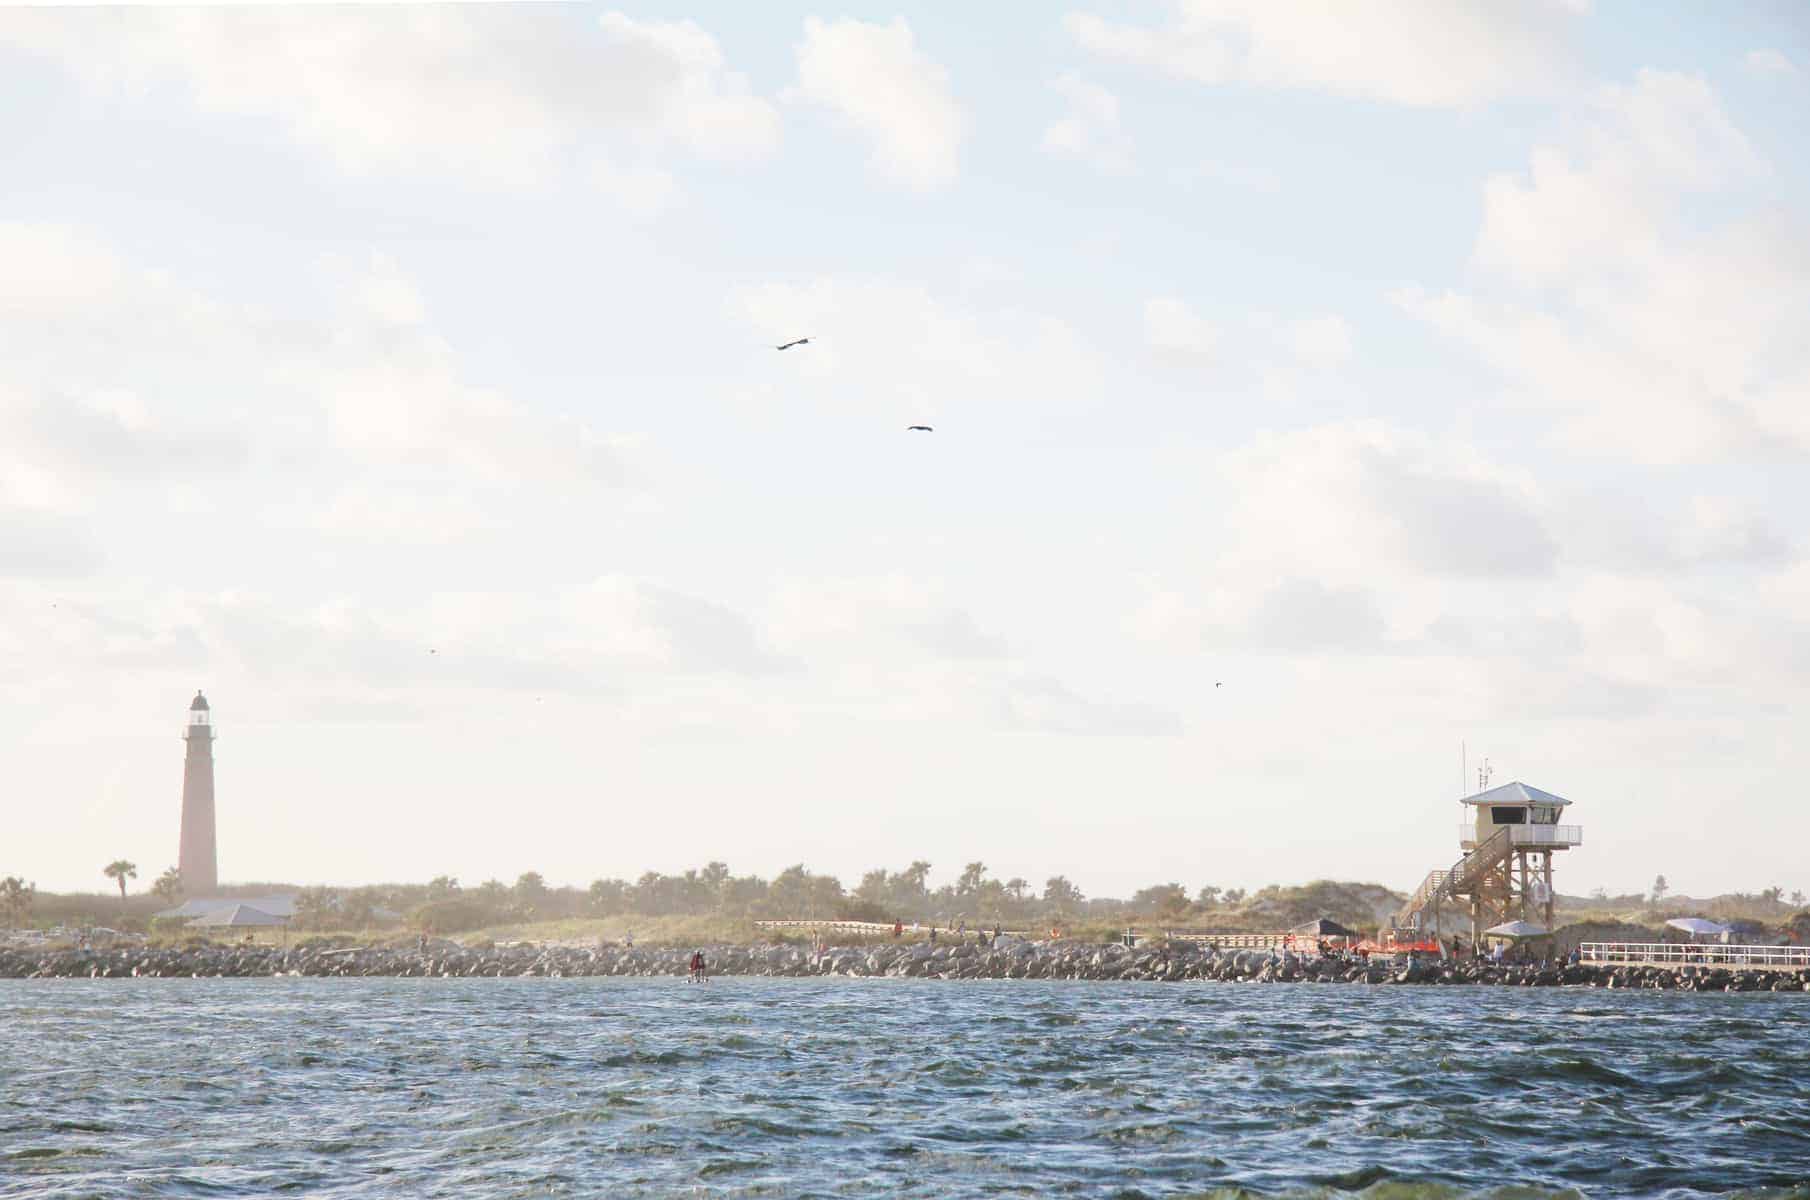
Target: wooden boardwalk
(1708, 956)
(876, 928)
(1225, 941)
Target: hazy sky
(1434, 373)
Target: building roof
(277, 906)
(239, 915)
(198, 704)
(1515, 793)
(1324, 927)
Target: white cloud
(1608, 298)
(1424, 53)
(52, 269)
(1323, 341)
(1329, 546)
(889, 619)
(1090, 131)
(874, 78)
(641, 190)
(1605, 207)
(900, 347)
(1042, 705)
(1249, 178)
(42, 545)
(685, 86)
(1723, 531)
(1282, 352)
(1768, 63)
(1172, 327)
(363, 426)
(1344, 501)
(1356, 538)
(500, 93)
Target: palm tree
(168, 885)
(119, 870)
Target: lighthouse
(196, 860)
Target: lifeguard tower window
(1500, 815)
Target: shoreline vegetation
(712, 905)
(968, 959)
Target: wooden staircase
(1460, 880)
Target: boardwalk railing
(1243, 941)
(871, 927)
(1677, 954)
(1225, 941)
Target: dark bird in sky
(433, 652)
(789, 345)
(1216, 683)
(923, 428)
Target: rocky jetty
(1174, 963)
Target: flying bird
(1216, 683)
(789, 345)
(923, 428)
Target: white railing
(1528, 835)
(1237, 941)
(1546, 835)
(875, 927)
(1776, 958)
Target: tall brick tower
(196, 861)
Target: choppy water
(480, 1088)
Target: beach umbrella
(1697, 925)
(1516, 931)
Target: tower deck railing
(1678, 954)
(1530, 835)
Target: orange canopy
(1376, 947)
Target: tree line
(444, 905)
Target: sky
(1326, 399)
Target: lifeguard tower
(1509, 836)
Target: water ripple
(761, 1087)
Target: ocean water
(477, 1088)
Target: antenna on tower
(1483, 774)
